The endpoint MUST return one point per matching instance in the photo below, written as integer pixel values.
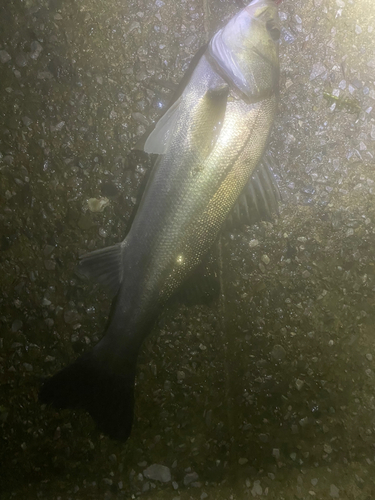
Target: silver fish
(210, 143)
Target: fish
(210, 145)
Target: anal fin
(104, 266)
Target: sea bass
(209, 143)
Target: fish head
(246, 52)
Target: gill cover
(245, 52)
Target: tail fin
(106, 393)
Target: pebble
(299, 384)
(4, 56)
(253, 243)
(318, 69)
(334, 491)
(369, 357)
(16, 325)
(242, 461)
(327, 448)
(36, 49)
(257, 489)
(266, 259)
(190, 478)
(97, 204)
(26, 121)
(157, 472)
(44, 75)
(278, 352)
(71, 317)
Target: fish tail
(102, 384)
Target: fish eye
(273, 29)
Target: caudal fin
(92, 385)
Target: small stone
(16, 325)
(314, 481)
(242, 461)
(318, 69)
(288, 83)
(180, 376)
(48, 250)
(44, 75)
(276, 453)
(71, 317)
(358, 29)
(327, 448)
(157, 472)
(257, 489)
(299, 384)
(50, 265)
(369, 357)
(340, 3)
(253, 243)
(21, 60)
(134, 26)
(27, 121)
(303, 422)
(58, 127)
(278, 352)
(266, 259)
(334, 491)
(28, 367)
(190, 478)
(4, 56)
(36, 49)
(97, 204)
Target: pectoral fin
(159, 139)
(207, 119)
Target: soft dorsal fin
(259, 199)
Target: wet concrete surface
(268, 391)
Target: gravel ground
(268, 392)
